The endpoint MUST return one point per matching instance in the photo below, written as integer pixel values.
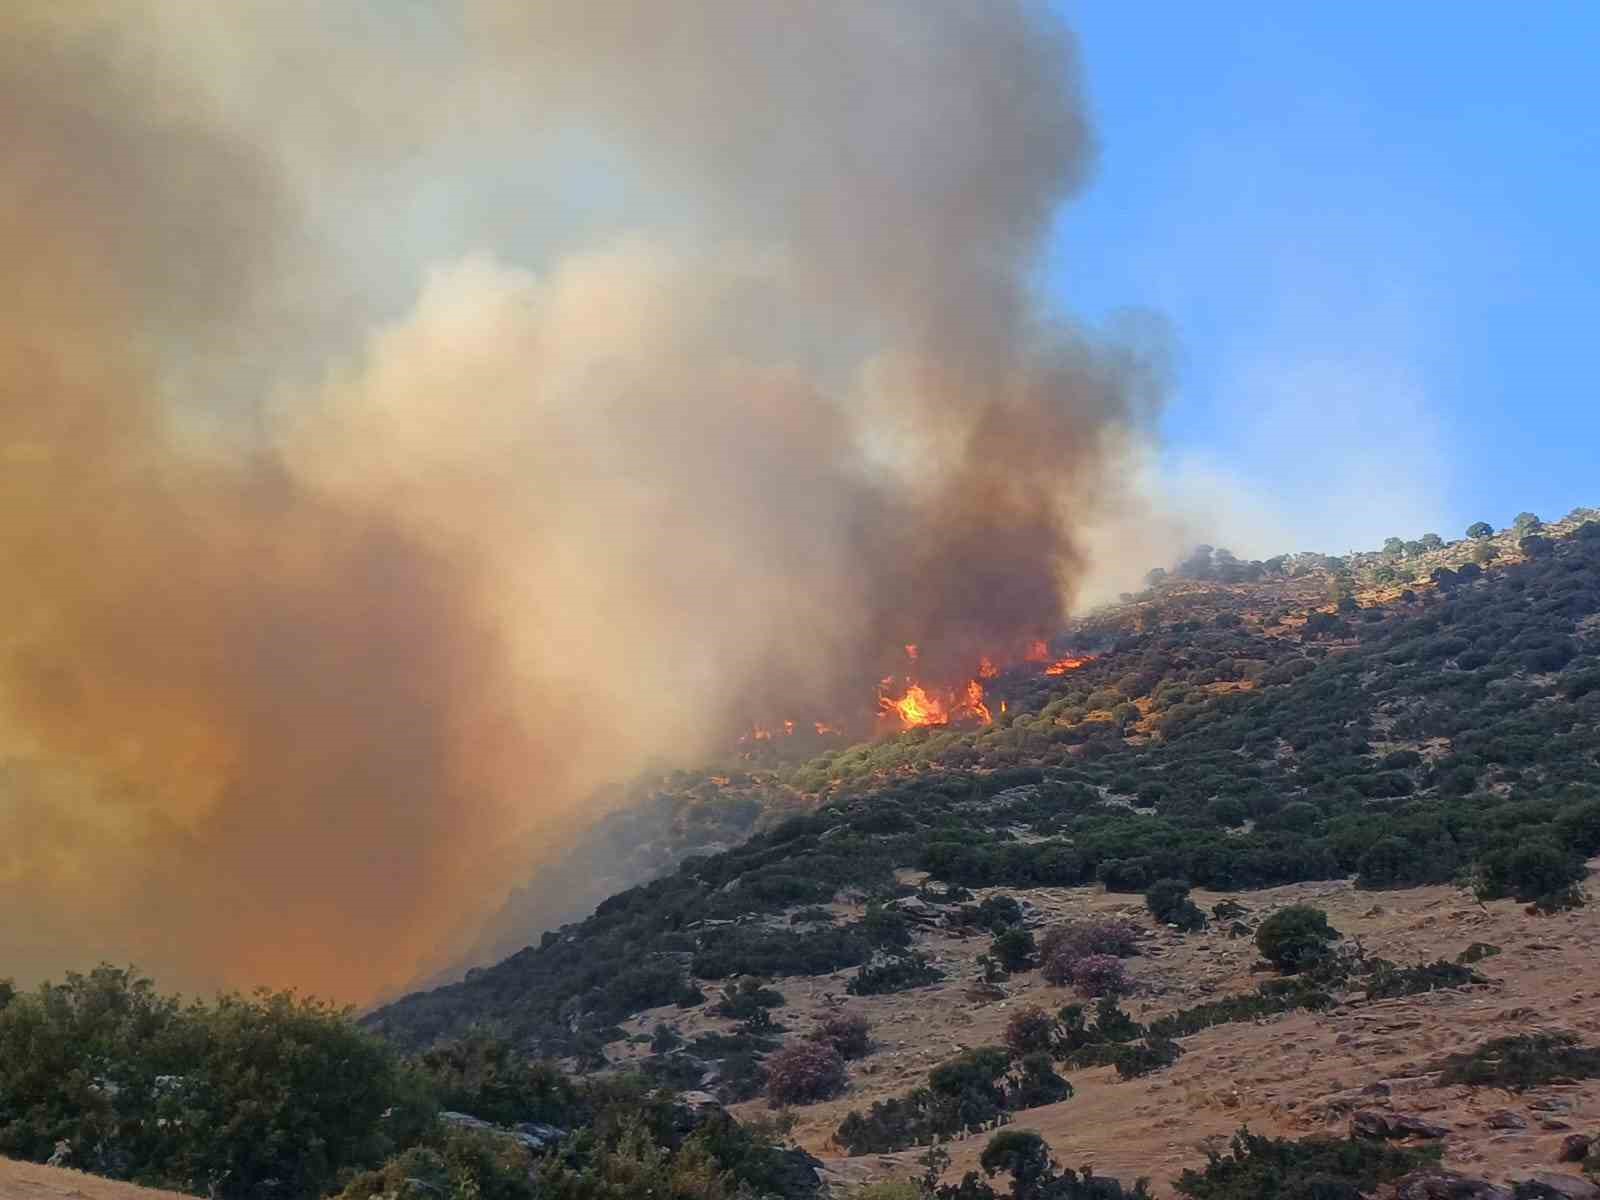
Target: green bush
(1522, 1061)
(1528, 870)
(1168, 902)
(896, 974)
(1314, 1168)
(1295, 938)
(848, 1033)
(1013, 948)
(230, 1095)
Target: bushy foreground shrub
(898, 973)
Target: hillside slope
(1220, 736)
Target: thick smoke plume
(415, 416)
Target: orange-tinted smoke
(410, 423)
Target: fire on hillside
(907, 702)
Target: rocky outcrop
(1552, 1185)
(535, 1137)
(1432, 1183)
(1374, 1123)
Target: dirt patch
(29, 1181)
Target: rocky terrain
(1289, 1075)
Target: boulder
(536, 1137)
(1504, 1118)
(914, 908)
(1431, 1183)
(1373, 1123)
(1552, 1185)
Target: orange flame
(986, 668)
(975, 704)
(911, 651)
(915, 708)
(824, 727)
(788, 729)
(1038, 651)
(1062, 665)
(920, 707)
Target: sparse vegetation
(1313, 1168)
(1523, 1061)
(897, 973)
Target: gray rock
(1430, 1183)
(1552, 1185)
(914, 908)
(1372, 1123)
(534, 1136)
(1504, 1118)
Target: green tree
(1013, 948)
(1431, 541)
(1168, 902)
(1479, 530)
(1394, 546)
(1296, 937)
(1022, 1154)
(1526, 523)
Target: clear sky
(1373, 233)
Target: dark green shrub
(897, 974)
(1168, 902)
(1030, 1030)
(1527, 870)
(1013, 949)
(1523, 1061)
(848, 1033)
(1035, 1082)
(1295, 938)
(996, 913)
(1314, 1168)
(749, 999)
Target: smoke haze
(416, 416)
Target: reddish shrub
(1094, 935)
(803, 1072)
(1100, 975)
(1029, 1031)
(847, 1033)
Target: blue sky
(1372, 232)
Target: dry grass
(29, 1181)
(1281, 1076)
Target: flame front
(1062, 665)
(920, 706)
(915, 708)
